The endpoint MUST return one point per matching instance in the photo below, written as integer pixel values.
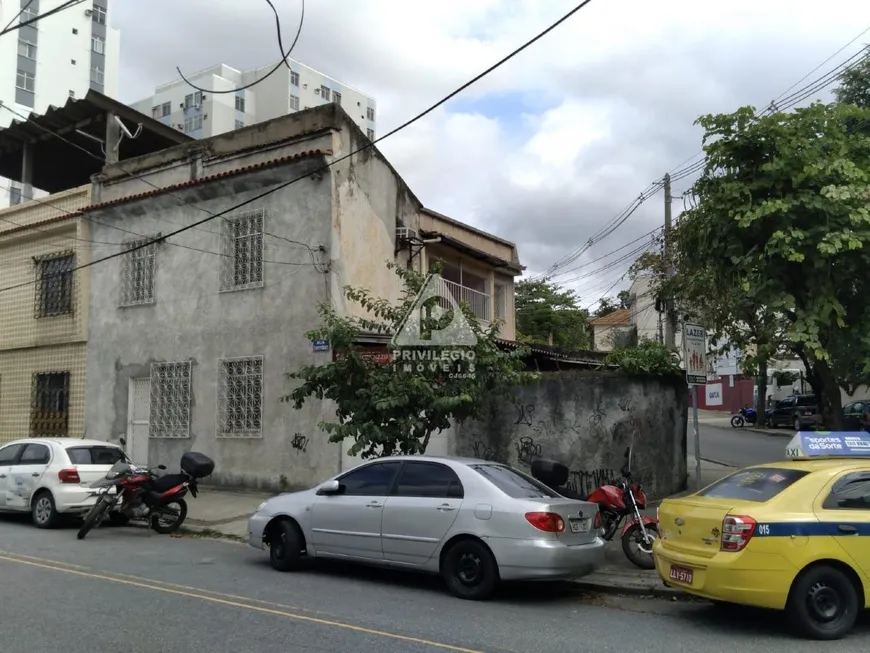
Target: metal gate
(138, 414)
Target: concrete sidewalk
(219, 513)
(722, 420)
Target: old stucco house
(190, 338)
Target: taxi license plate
(681, 574)
(578, 525)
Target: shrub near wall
(585, 420)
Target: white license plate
(578, 525)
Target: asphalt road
(127, 589)
(737, 447)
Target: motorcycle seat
(163, 483)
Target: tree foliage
(854, 84)
(544, 310)
(778, 239)
(648, 357)
(608, 305)
(396, 407)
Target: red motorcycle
(618, 502)
(145, 496)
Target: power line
(282, 62)
(66, 5)
(610, 253)
(323, 168)
(15, 17)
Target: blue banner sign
(321, 344)
(817, 444)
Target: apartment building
(190, 339)
(202, 114)
(52, 60)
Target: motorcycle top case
(198, 465)
(549, 472)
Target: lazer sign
(817, 444)
(695, 354)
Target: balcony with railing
(478, 302)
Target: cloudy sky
(552, 146)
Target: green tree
(545, 310)
(608, 305)
(396, 407)
(781, 226)
(854, 84)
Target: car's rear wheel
(823, 603)
(286, 544)
(470, 570)
(797, 424)
(43, 510)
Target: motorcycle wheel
(169, 527)
(640, 557)
(94, 516)
(737, 421)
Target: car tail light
(808, 412)
(597, 522)
(549, 522)
(737, 530)
(69, 476)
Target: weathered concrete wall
(585, 420)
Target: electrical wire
(610, 253)
(328, 165)
(15, 17)
(282, 62)
(67, 5)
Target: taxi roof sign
(828, 444)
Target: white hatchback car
(52, 476)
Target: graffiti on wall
(299, 442)
(483, 451)
(528, 450)
(584, 482)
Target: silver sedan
(474, 522)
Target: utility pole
(670, 311)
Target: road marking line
(238, 604)
(114, 574)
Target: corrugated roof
(621, 317)
(203, 180)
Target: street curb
(771, 433)
(662, 592)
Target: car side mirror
(330, 487)
(161, 466)
(123, 441)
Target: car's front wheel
(43, 510)
(470, 570)
(823, 603)
(286, 545)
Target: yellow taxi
(792, 536)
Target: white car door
(26, 474)
(420, 511)
(348, 524)
(8, 455)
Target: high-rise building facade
(54, 59)
(204, 114)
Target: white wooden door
(138, 415)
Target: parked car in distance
(472, 521)
(800, 412)
(49, 477)
(856, 416)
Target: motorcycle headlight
(261, 506)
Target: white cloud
(599, 108)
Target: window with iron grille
(242, 249)
(294, 102)
(25, 81)
(294, 78)
(240, 398)
(165, 109)
(54, 285)
(325, 93)
(98, 76)
(26, 49)
(240, 103)
(28, 13)
(99, 15)
(370, 134)
(336, 97)
(370, 113)
(137, 273)
(49, 405)
(170, 400)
